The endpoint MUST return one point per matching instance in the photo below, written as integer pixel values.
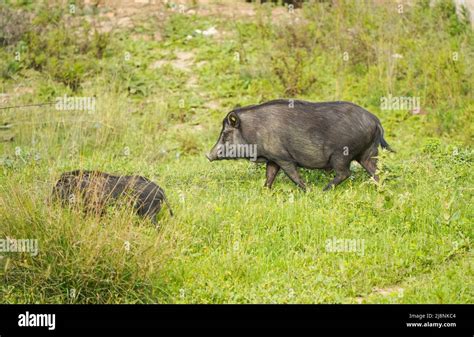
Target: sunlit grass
(232, 240)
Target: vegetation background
(164, 74)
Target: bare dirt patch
(388, 291)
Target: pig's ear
(234, 120)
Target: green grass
(232, 240)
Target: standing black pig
(291, 133)
(97, 189)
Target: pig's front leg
(292, 172)
(272, 171)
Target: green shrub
(50, 43)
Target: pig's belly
(313, 164)
(311, 157)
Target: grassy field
(163, 81)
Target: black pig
(291, 133)
(97, 189)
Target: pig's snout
(213, 154)
(210, 156)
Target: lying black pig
(98, 189)
(287, 134)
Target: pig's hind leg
(342, 167)
(368, 160)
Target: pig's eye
(233, 120)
